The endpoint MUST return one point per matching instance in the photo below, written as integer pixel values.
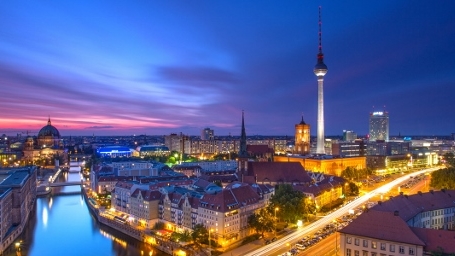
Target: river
(61, 224)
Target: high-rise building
(379, 126)
(302, 138)
(349, 135)
(320, 70)
(207, 134)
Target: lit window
(374, 244)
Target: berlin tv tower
(320, 70)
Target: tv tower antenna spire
(320, 31)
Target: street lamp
(276, 209)
(210, 243)
(336, 237)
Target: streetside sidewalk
(244, 249)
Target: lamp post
(336, 237)
(210, 244)
(276, 209)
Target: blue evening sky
(156, 67)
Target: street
(284, 244)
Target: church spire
(243, 152)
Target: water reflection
(61, 224)
(45, 217)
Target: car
(274, 239)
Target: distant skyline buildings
(379, 126)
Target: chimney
(431, 191)
(396, 213)
(443, 190)
(401, 193)
(420, 192)
(379, 202)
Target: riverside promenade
(136, 232)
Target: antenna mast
(320, 31)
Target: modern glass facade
(379, 126)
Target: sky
(159, 67)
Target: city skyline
(112, 68)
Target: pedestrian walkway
(244, 249)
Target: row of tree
(445, 178)
(351, 173)
(287, 205)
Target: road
(281, 244)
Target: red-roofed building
(278, 173)
(379, 233)
(226, 212)
(407, 225)
(262, 153)
(144, 207)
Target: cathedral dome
(49, 130)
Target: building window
(365, 243)
(411, 251)
(374, 244)
(348, 252)
(374, 254)
(364, 253)
(356, 253)
(349, 240)
(356, 241)
(392, 248)
(401, 249)
(383, 245)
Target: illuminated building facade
(328, 165)
(302, 138)
(207, 134)
(379, 126)
(46, 148)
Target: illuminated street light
(276, 209)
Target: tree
(449, 158)
(351, 173)
(443, 178)
(158, 225)
(290, 203)
(200, 234)
(352, 189)
(262, 221)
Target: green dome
(49, 130)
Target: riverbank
(138, 233)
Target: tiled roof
(259, 149)
(409, 206)
(286, 172)
(436, 239)
(382, 225)
(222, 178)
(325, 185)
(230, 198)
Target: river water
(61, 224)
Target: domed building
(49, 136)
(44, 148)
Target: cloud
(196, 74)
(100, 127)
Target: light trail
(300, 233)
